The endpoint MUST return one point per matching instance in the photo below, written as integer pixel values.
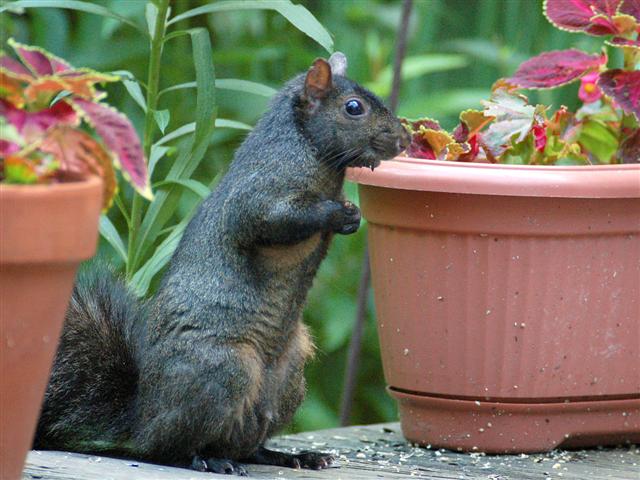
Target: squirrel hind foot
(217, 465)
(306, 459)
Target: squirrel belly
(212, 365)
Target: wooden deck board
(368, 452)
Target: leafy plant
(152, 230)
(509, 130)
(43, 101)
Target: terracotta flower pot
(508, 301)
(46, 232)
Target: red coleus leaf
(540, 136)
(624, 87)
(468, 133)
(552, 69)
(39, 61)
(630, 149)
(47, 75)
(632, 8)
(596, 17)
(120, 137)
(420, 146)
(32, 125)
(77, 152)
(621, 42)
(414, 125)
(77, 82)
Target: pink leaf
(552, 69)
(590, 16)
(120, 137)
(624, 87)
(38, 60)
(8, 148)
(32, 125)
(13, 68)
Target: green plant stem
(153, 80)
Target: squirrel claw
(215, 465)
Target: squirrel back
(213, 365)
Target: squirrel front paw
(344, 218)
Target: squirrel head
(347, 124)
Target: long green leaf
(416, 66)
(236, 84)
(133, 87)
(141, 280)
(191, 153)
(157, 152)
(72, 5)
(110, 234)
(190, 128)
(196, 187)
(300, 17)
(224, 123)
(177, 133)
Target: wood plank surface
(367, 452)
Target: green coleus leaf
(20, 170)
(598, 139)
(514, 119)
(521, 153)
(572, 159)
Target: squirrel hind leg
(216, 465)
(306, 459)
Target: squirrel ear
(318, 81)
(338, 62)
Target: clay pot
(508, 301)
(47, 230)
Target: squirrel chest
(283, 258)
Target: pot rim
(589, 181)
(88, 183)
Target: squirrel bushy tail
(88, 403)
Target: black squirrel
(202, 374)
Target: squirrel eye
(354, 107)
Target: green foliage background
(456, 50)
